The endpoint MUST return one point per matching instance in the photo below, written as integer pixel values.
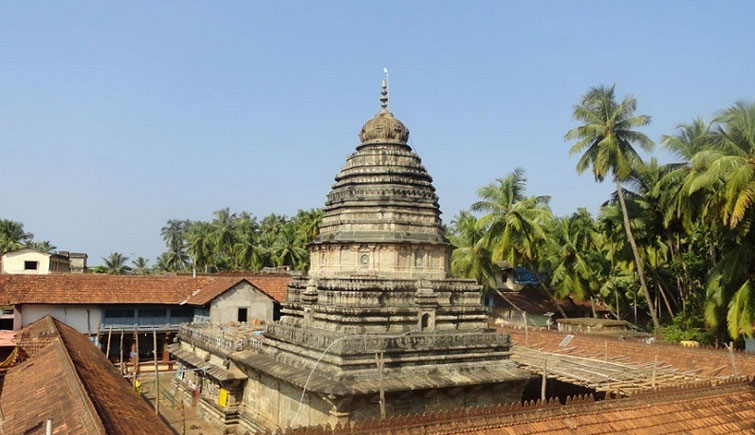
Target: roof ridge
(84, 396)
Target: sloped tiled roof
(534, 300)
(274, 285)
(701, 362)
(124, 289)
(698, 409)
(71, 382)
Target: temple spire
(384, 91)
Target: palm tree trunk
(550, 295)
(637, 259)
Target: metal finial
(384, 91)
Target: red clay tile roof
(699, 409)
(533, 300)
(274, 285)
(70, 381)
(71, 288)
(702, 362)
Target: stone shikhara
(379, 284)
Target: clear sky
(116, 116)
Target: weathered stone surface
(379, 284)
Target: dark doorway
(242, 315)
(425, 322)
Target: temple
(378, 326)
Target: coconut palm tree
(606, 140)
(572, 256)
(173, 234)
(224, 233)
(308, 223)
(13, 236)
(288, 250)
(141, 266)
(514, 224)
(725, 174)
(470, 258)
(200, 244)
(44, 246)
(116, 264)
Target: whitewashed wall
(224, 308)
(84, 318)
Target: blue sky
(116, 116)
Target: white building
(30, 261)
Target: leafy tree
(725, 174)
(514, 224)
(141, 266)
(573, 256)
(606, 140)
(288, 249)
(44, 246)
(224, 234)
(116, 264)
(200, 238)
(13, 236)
(470, 258)
(174, 236)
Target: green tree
(13, 236)
(470, 258)
(141, 266)
(116, 264)
(572, 256)
(514, 224)
(174, 236)
(44, 246)
(606, 140)
(224, 234)
(287, 249)
(725, 174)
(200, 238)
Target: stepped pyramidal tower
(379, 293)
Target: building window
(242, 315)
(152, 312)
(31, 265)
(120, 314)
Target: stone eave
(405, 380)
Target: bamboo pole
(380, 361)
(655, 370)
(605, 350)
(733, 361)
(136, 348)
(157, 376)
(109, 334)
(544, 381)
(526, 335)
(120, 362)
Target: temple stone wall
(383, 259)
(271, 403)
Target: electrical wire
(311, 372)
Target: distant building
(30, 261)
(76, 260)
(518, 291)
(101, 305)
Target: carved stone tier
(378, 292)
(378, 305)
(382, 215)
(386, 258)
